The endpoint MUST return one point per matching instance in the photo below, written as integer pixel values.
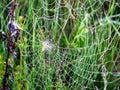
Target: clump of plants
(10, 40)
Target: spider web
(68, 68)
(88, 61)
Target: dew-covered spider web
(71, 45)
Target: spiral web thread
(48, 66)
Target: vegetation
(61, 45)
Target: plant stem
(5, 85)
(13, 8)
(21, 48)
(6, 69)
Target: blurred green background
(64, 44)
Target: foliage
(64, 44)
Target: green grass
(84, 37)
